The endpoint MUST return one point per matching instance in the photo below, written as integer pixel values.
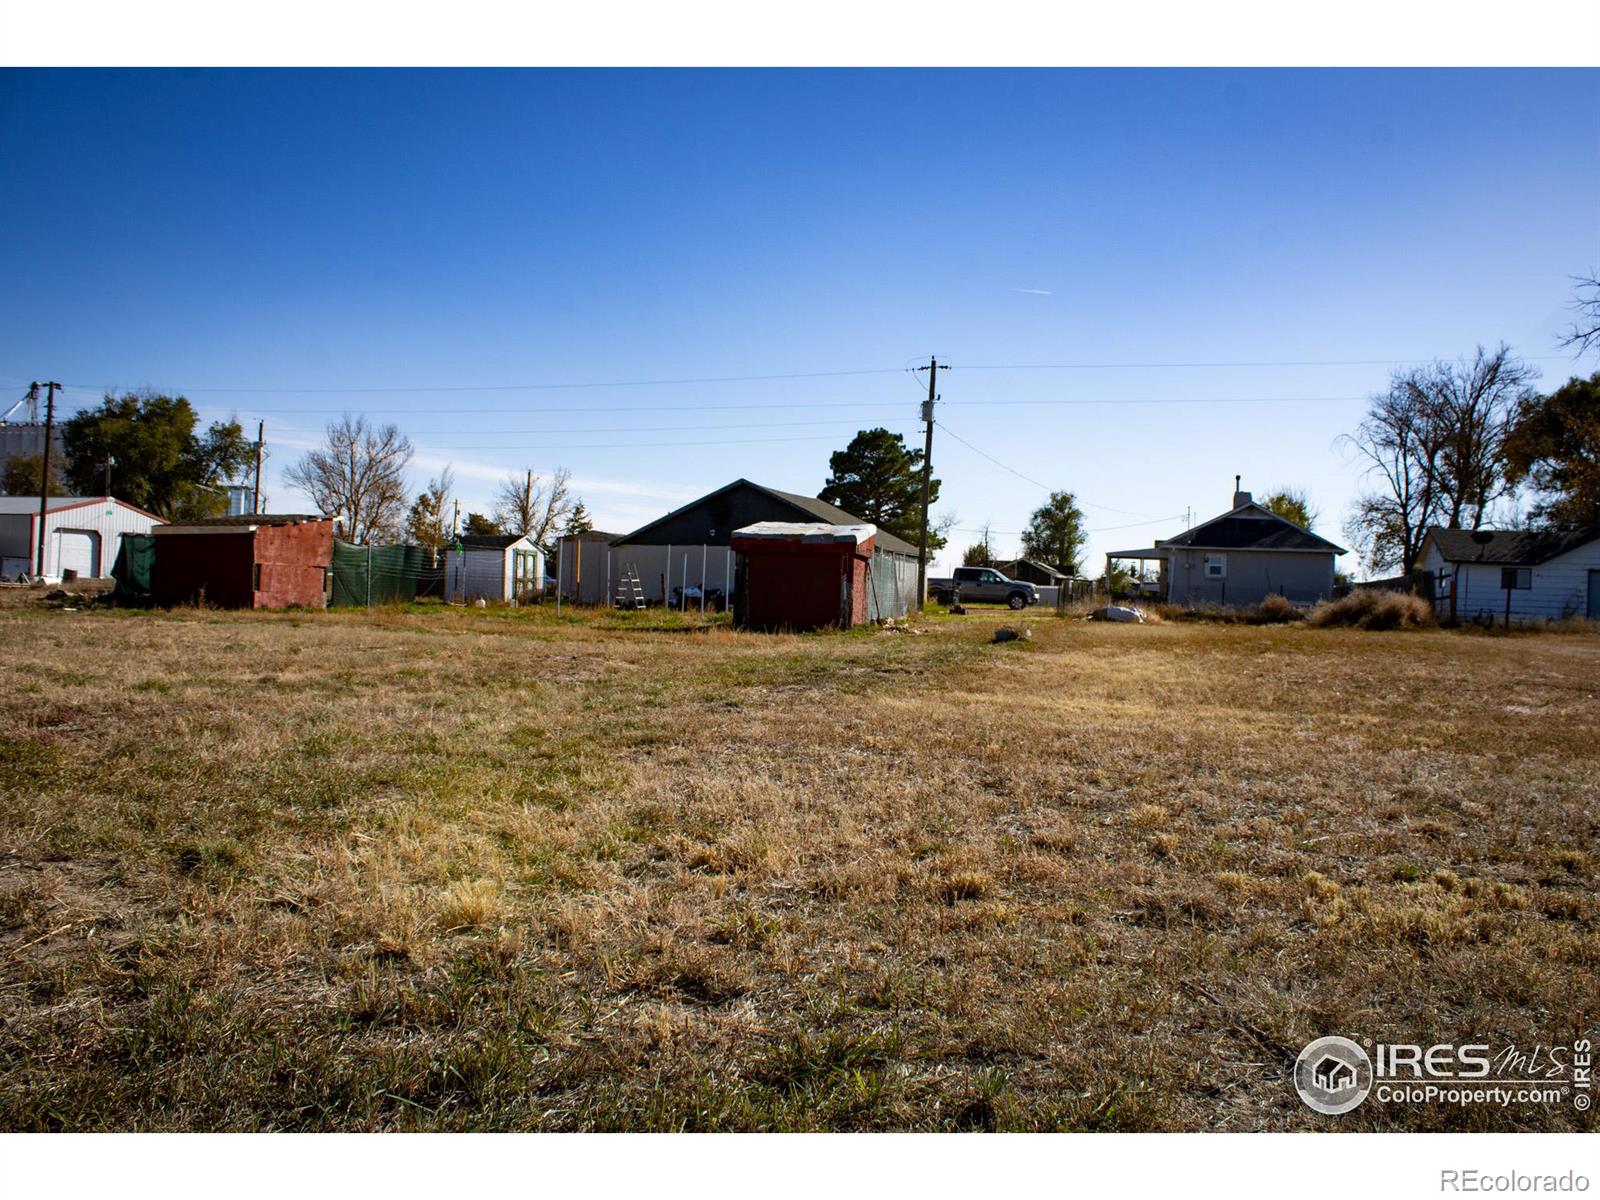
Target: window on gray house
(1514, 578)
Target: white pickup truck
(980, 584)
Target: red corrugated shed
(797, 575)
(244, 562)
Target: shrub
(1275, 610)
(1373, 608)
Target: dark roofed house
(1240, 558)
(689, 549)
(1520, 575)
(1030, 571)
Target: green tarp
(136, 556)
(365, 575)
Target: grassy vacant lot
(468, 870)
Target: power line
(525, 387)
(642, 445)
(1042, 486)
(858, 405)
(795, 375)
(1282, 362)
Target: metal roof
(807, 531)
(18, 505)
(30, 504)
(257, 519)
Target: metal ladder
(630, 592)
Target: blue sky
(217, 232)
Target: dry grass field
(483, 870)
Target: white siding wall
(1560, 587)
(477, 574)
(107, 520)
(483, 573)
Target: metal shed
(82, 534)
(493, 566)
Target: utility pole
(44, 467)
(255, 492)
(933, 368)
(111, 461)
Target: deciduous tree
(530, 505)
(1584, 332)
(1554, 445)
(1291, 504)
(360, 471)
(1433, 444)
(981, 553)
(1055, 533)
(428, 523)
(22, 476)
(162, 464)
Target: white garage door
(80, 552)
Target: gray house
(1239, 559)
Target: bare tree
(1400, 446)
(532, 506)
(1474, 403)
(1434, 444)
(1584, 332)
(361, 473)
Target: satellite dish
(1482, 536)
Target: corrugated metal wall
(664, 569)
(106, 521)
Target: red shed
(258, 561)
(802, 575)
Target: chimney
(1240, 498)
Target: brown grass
(1373, 608)
(462, 870)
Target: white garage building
(81, 534)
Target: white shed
(493, 566)
(81, 534)
(1526, 574)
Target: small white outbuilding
(81, 534)
(1513, 575)
(493, 567)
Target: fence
(136, 556)
(367, 575)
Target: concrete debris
(1118, 612)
